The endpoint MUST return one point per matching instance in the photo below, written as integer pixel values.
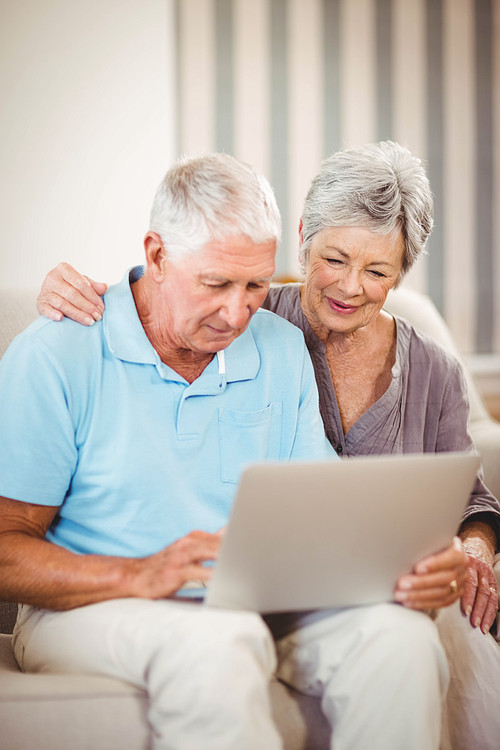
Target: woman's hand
(480, 597)
(65, 292)
(436, 581)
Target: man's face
(208, 298)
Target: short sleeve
(37, 444)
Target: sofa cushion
(58, 711)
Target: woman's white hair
(209, 198)
(381, 187)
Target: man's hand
(436, 581)
(162, 574)
(35, 571)
(66, 292)
(480, 596)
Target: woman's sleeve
(454, 435)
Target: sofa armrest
(486, 436)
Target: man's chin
(218, 344)
(217, 340)
(215, 344)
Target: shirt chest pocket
(246, 437)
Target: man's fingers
(190, 554)
(196, 547)
(165, 572)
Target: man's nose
(237, 310)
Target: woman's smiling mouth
(341, 307)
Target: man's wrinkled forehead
(236, 255)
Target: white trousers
(472, 712)
(380, 671)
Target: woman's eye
(378, 274)
(334, 261)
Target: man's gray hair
(381, 187)
(209, 198)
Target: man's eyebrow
(215, 277)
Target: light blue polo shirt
(92, 421)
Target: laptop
(312, 535)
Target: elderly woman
(384, 387)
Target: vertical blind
(283, 83)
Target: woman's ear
(301, 238)
(155, 256)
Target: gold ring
(453, 587)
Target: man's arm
(66, 292)
(35, 571)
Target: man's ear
(156, 256)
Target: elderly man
(121, 446)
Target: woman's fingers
(480, 597)
(66, 292)
(453, 557)
(431, 590)
(437, 580)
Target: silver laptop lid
(337, 533)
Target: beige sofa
(57, 712)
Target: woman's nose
(350, 281)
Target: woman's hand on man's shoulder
(67, 293)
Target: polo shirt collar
(127, 340)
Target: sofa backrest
(17, 310)
(421, 312)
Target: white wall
(86, 132)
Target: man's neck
(185, 362)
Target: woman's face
(349, 272)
